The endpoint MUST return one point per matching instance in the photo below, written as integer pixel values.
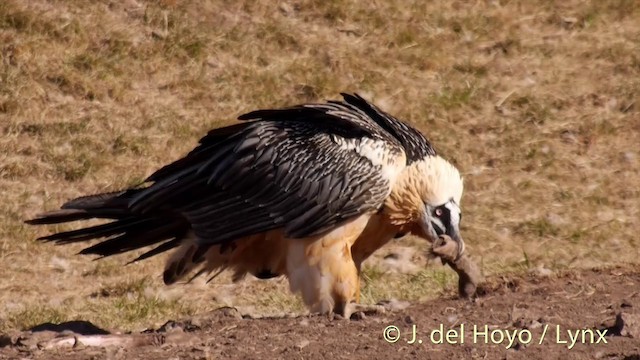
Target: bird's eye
(438, 212)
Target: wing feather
(415, 143)
(276, 174)
(300, 169)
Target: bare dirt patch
(589, 302)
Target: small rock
(304, 322)
(606, 216)
(540, 270)
(409, 320)
(629, 157)
(628, 325)
(555, 219)
(535, 324)
(60, 265)
(286, 9)
(302, 344)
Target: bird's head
(441, 192)
(427, 198)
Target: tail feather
(148, 233)
(116, 199)
(68, 215)
(93, 232)
(128, 231)
(158, 249)
(112, 205)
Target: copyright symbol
(391, 334)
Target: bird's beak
(433, 231)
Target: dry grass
(537, 102)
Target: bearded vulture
(308, 192)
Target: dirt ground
(592, 302)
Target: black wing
(273, 174)
(280, 168)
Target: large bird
(308, 191)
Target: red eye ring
(438, 212)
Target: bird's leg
(358, 267)
(346, 286)
(346, 299)
(323, 270)
(355, 307)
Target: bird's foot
(355, 311)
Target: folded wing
(303, 169)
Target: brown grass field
(536, 101)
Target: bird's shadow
(77, 326)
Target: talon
(354, 309)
